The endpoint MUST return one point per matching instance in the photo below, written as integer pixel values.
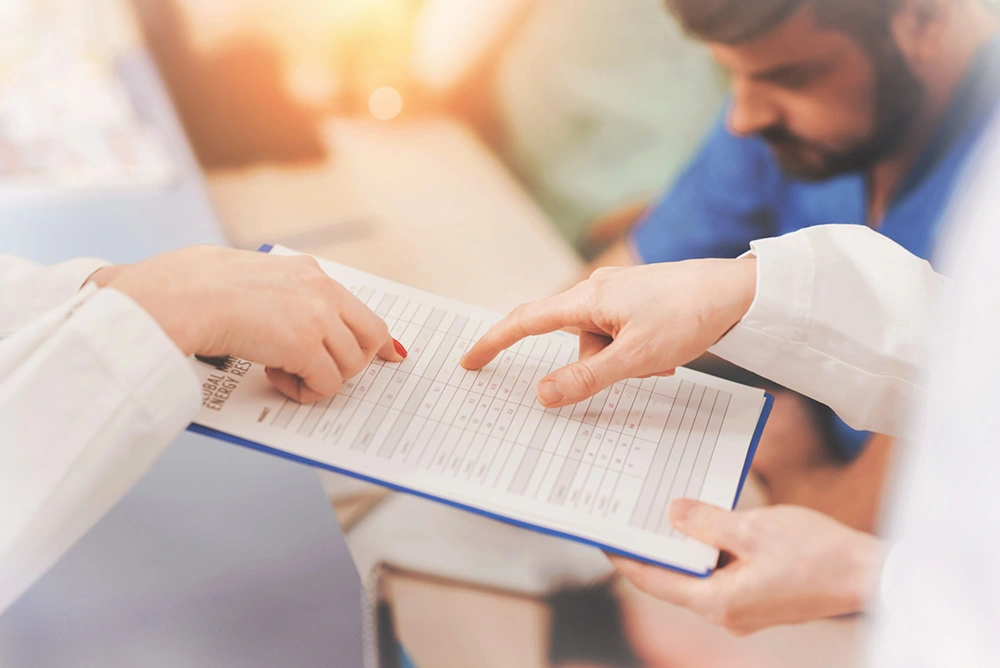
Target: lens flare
(385, 103)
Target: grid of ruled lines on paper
(622, 456)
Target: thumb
(582, 380)
(709, 524)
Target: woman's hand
(284, 312)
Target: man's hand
(283, 312)
(633, 322)
(789, 565)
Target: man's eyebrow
(780, 72)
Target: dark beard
(899, 100)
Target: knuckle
(316, 317)
(749, 528)
(310, 273)
(603, 273)
(299, 354)
(712, 616)
(631, 353)
(517, 317)
(518, 313)
(353, 368)
(731, 618)
(584, 377)
(307, 261)
(355, 362)
(585, 293)
(380, 331)
(322, 282)
(600, 288)
(716, 609)
(740, 630)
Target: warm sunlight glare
(385, 103)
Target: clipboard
(755, 440)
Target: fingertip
(550, 392)
(390, 351)
(476, 358)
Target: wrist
(184, 338)
(169, 315)
(859, 579)
(747, 268)
(104, 276)
(744, 290)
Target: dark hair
(738, 21)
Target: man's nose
(751, 112)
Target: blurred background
(590, 106)
(484, 150)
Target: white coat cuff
(780, 309)
(141, 357)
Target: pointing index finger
(532, 319)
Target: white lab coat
(940, 603)
(855, 336)
(91, 392)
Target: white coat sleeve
(841, 315)
(28, 290)
(91, 393)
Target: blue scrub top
(734, 192)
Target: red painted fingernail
(399, 348)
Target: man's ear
(918, 27)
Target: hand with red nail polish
(309, 331)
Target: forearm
(90, 395)
(854, 584)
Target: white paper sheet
(602, 471)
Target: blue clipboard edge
(755, 441)
(216, 434)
